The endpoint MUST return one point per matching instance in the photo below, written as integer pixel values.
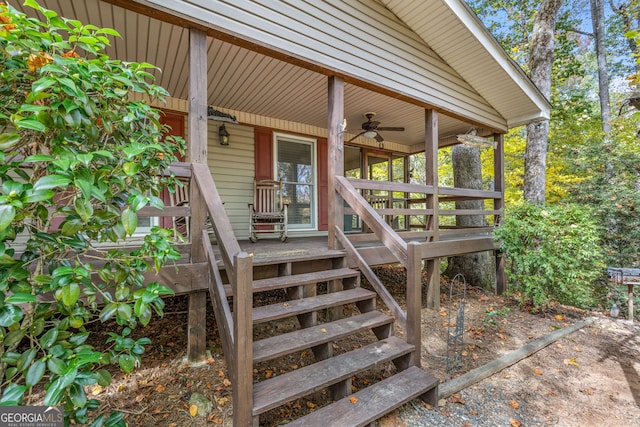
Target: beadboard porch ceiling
(240, 79)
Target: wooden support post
(335, 153)
(433, 283)
(630, 302)
(197, 335)
(243, 340)
(501, 276)
(498, 204)
(414, 300)
(433, 225)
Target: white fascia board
(475, 26)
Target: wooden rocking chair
(267, 213)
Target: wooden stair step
(283, 388)
(307, 305)
(281, 282)
(373, 402)
(280, 345)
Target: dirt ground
(589, 378)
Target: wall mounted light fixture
(224, 135)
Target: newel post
(414, 299)
(242, 376)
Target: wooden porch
(319, 282)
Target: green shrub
(76, 150)
(553, 254)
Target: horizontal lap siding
(232, 168)
(362, 39)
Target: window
(295, 166)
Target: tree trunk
(597, 18)
(477, 268)
(629, 12)
(540, 62)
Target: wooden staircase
(307, 305)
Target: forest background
(588, 158)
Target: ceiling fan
(370, 128)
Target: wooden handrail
(229, 247)
(378, 286)
(400, 187)
(385, 233)
(221, 307)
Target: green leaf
(25, 359)
(35, 373)
(49, 338)
(7, 214)
(56, 365)
(20, 298)
(57, 388)
(70, 294)
(14, 337)
(10, 314)
(51, 181)
(103, 376)
(30, 124)
(108, 311)
(127, 363)
(78, 396)
(13, 395)
(129, 221)
(39, 85)
(8, 140)
(84, 208)
(124, 312)
(139, 202)
(71, 227)
(35, 196)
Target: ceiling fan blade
(391, 128)
(361, 133)
(379, 137)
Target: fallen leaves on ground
(537, 371)
(514, 404)
(571, 361)
(515, 423)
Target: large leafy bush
(553, 254)
(78, 159)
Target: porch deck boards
(296, 249)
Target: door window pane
(295, 169)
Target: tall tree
(597, 18)
(541, 54)
(477, 268)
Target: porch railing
(407, 254)
(236, 327)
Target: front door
(295, 167)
